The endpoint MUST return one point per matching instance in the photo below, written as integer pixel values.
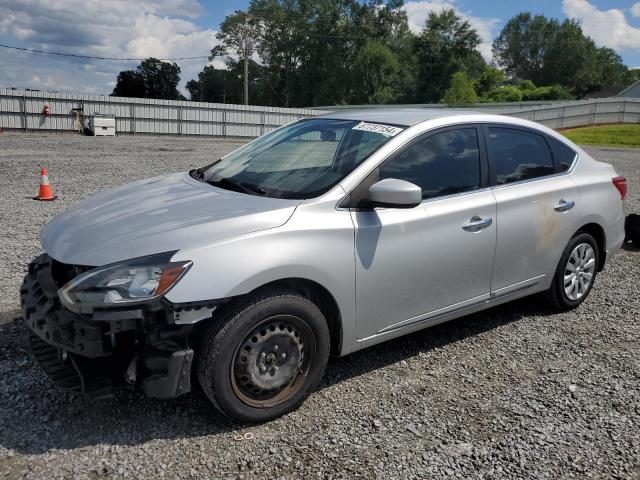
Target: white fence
(554, 114)
(581, 113)
(22, 110)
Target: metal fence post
(24, 111)
(82, 116)
(132, 108)
(179, 119)
(224, 123)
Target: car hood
(160, 214)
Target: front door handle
(476, 224)
(564, 206)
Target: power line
(93, 57)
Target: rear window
(563, 154)
(519, 155)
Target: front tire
(264, 356)
(576, 273)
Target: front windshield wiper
(231, 184)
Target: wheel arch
(597, 232)
(316, 293)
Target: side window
(519, 155)
(441, 164)
(563, 154)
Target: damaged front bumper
(148, 347)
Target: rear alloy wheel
(579, 271)
(262, 358)
(576, 272)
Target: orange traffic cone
(45, 193)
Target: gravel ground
(514, 392)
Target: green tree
(238, 36)
(553, 92)
(505, 94)
(447, 44)
(548, 52)
(294, 42)
(375, 75)
(129, 84)
(461, 92)
(153, 78)
(308, 48)
(227, 85)
(490, 78)
(385, 24)
(215, 85)
(527, 85)
(520, 46)
(161, 79)
(611, 71)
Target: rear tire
(576, 273)
(264, 356)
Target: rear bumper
(613, 250)
(615, 235)
(93, 353)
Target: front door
(413, 264)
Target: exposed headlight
(133, 281)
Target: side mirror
(394, 193)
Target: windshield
(302, 160)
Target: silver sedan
(325, 236)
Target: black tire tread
(212, 343)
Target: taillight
(621, 184)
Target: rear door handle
(476, 224)
(564, 206)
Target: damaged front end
(93, 349)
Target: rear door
(535, 207)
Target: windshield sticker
(385, 130)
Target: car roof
(397, 116)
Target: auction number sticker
(385, 130)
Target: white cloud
(607, 27)
(418, 11)
(108, 28)
(635, 9)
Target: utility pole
(246, 58)
(246, 48)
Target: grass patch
(623, 135)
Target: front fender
(316, 244)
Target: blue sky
(181, 28)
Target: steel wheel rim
(579, 271)
(273, 361)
